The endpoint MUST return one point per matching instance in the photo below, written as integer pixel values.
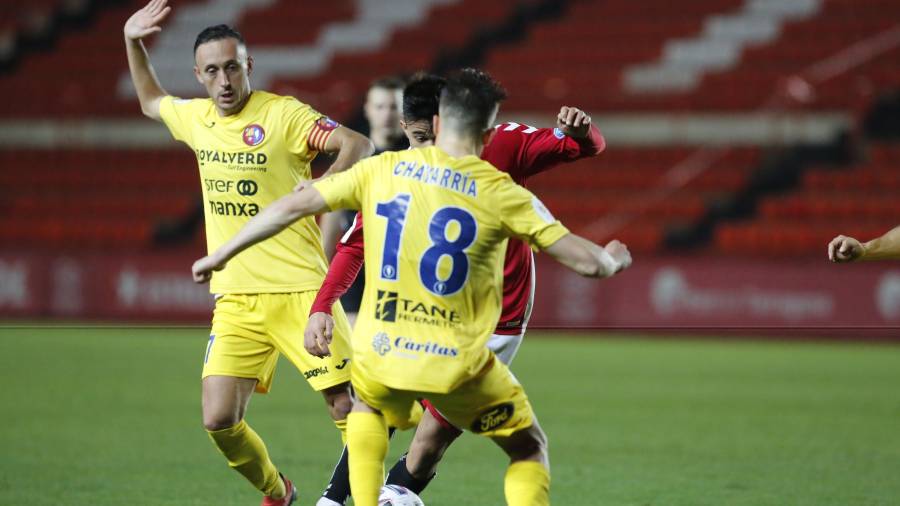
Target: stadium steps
(78, 199)
(446, 28)
(582, 57)
(858, 200)
(622, 184)
(78, 78)
(34, 25)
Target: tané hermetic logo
(386, 306)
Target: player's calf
(527, 480)
(416, 469)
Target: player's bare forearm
(350, 147)
(589, 259)
(271, 220)
(141, 24)
(330, 224)
(886, 247)
(843, 249)
(146, 84)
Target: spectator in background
(382, 110)
(384, 101)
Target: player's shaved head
(218, 32)
(469, 102)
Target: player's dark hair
(422, 96)
(388, 83)
(217, 32)
(469, 100)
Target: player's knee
(423, 458)
(338, 400)
(219, 421)
(529, 444)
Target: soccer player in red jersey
(520, 150)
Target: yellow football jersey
(246, 161)
(435, 230)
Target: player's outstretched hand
(317, 335)
(146, 21)
(573, 122)
(620, 254)
(203, 268)
(843, 249)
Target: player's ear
(249, 65)
(197, 74)
(436, 125)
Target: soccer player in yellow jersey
(436, 221)
(252, 147)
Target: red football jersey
(520, 150)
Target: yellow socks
(367, 444)
(246, 453)
(527, 483)
(342, 426)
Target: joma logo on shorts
(312, 373)
(493, 418)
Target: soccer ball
(395, 495)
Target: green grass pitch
(111, 416)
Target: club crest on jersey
(253, 135)
(327, 124)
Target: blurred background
(742, 135)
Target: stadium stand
(578, 57)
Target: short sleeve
(306, 130)
(177, 113)
(526, 217)
(344, 189)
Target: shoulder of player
(507, 138)
(383, 159)
(267, 99)
(199, 105)
(490, 174)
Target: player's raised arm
(844, 249)
(526, 151)
(271, 220)
(589, 259)
(525, 216)
(141, 24)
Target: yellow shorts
(250, 330)
(493, 403)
